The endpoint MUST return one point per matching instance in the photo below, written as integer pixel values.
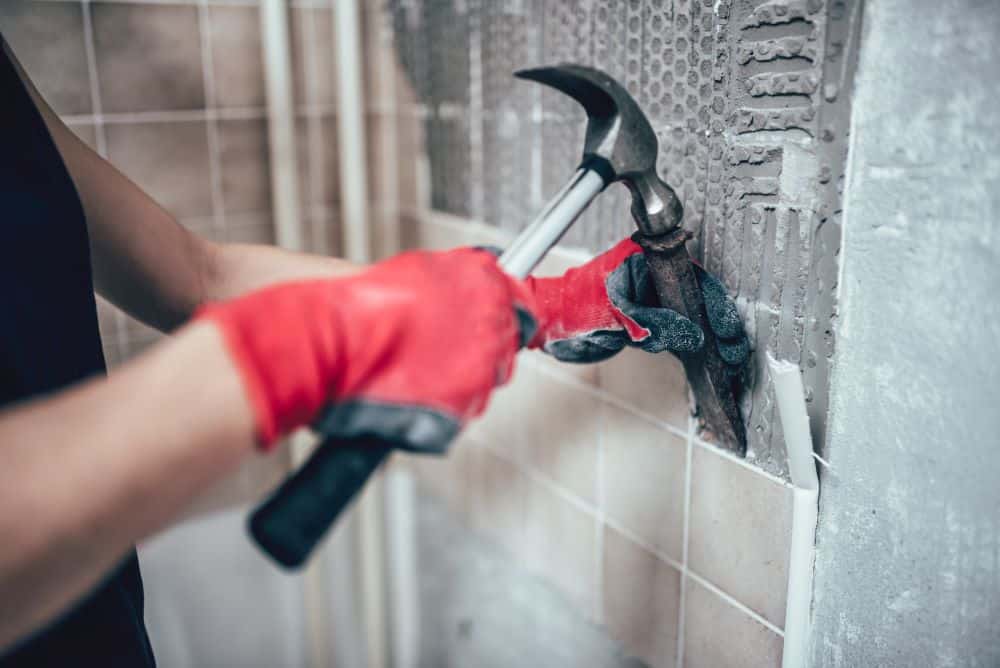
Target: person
(263, 341)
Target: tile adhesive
(748, 102)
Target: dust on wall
(747, 99)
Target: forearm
(147, 263)
(234, 269)
(92, 470)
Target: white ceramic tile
(739, 532)
(719, 635)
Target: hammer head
(620, 143)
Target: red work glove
(593, 311)
(406, 351)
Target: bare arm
(148, 264)
(94, 469)
(89, 471)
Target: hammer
(620, 146)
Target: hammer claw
(621, 145)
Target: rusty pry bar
(711, 380)
(621, 146)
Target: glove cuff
(286, 363)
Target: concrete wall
(908, 568)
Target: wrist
(288, 363)
(547, 298)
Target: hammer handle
(710, 378)
(297, 514)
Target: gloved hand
(406, 351)
(593, 311)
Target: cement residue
(744, 99)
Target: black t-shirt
(49, 339)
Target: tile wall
(172, 93)
(591, 479)
(748, 99)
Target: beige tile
(380, 56)
(498, 426)
(299, 43)
(330, 193)
(410, 231)
(321, 89)
(557, 431)
(136, 331)
(641, 600)
(47, 39)
(719, 635)
(148, 56)
(432, 236)
(412, 153)
(499, 496)
(558, 262)
(168, 160)
(304, 160)
(107, 319)
(237, 56)
(245, 165)
(252, 229)
(131, 348)
(385, 234)
(324, 231)
(438, 476)
(87, 133)
(644, 479)
(560, 544)
(740, 524)
(319, 167)
(112, 354)
(584, 373)
(204, 228)
(653, 384)
(380, 170)
(547, 424)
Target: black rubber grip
(293, 519)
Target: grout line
(211, 127)
(598, 393)
(682, 604)
(656, 552)
(739, 461)
(535, 475)
(733, 602)
(538, 477)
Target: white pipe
(288, 234)
(357, 248)
(351, 132)
(401, 534)
(791, 402)
(281, 124)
